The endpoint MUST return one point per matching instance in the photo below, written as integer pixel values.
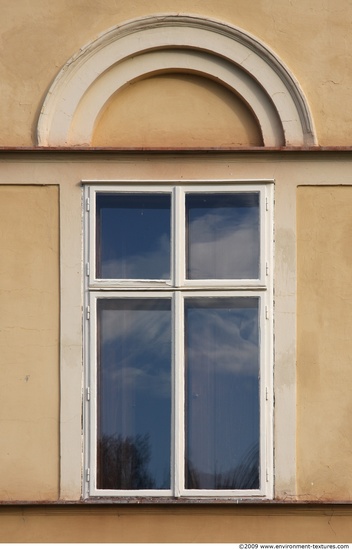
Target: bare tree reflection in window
(124, 463)
(243, 476)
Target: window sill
(168, 501)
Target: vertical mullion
(179, 237)
(178, 281)
(178, 394)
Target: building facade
(175, 227)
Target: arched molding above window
(169, 44)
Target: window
(179, 358)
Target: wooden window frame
(176, 290)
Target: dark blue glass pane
(133, 236)
(134, 393)
(223, 236)
(222, 393)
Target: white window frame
(176, 289)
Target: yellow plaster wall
(312, 37)
(29, 332)
(176, 524)
(324, 358)
(177, 111)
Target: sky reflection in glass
(223, 238)
(222, 393)
(134, 388)
(133, 236)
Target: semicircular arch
(160, 44)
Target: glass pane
(133, 236)
(222, 393)
(223, 236)
(134, 393)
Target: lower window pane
(134, 393)
(222, 393)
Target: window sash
(178, 392)
(178, 245)
(94, 397)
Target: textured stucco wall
(29, 343)
(177, 111)
(180, 524)
(312, 38)
(324, 320)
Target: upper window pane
(133, 236)
(223, 236)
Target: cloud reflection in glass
(133, 236)
(222, 393)
(134, 385)
(223, 235)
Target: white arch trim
(168, 43)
